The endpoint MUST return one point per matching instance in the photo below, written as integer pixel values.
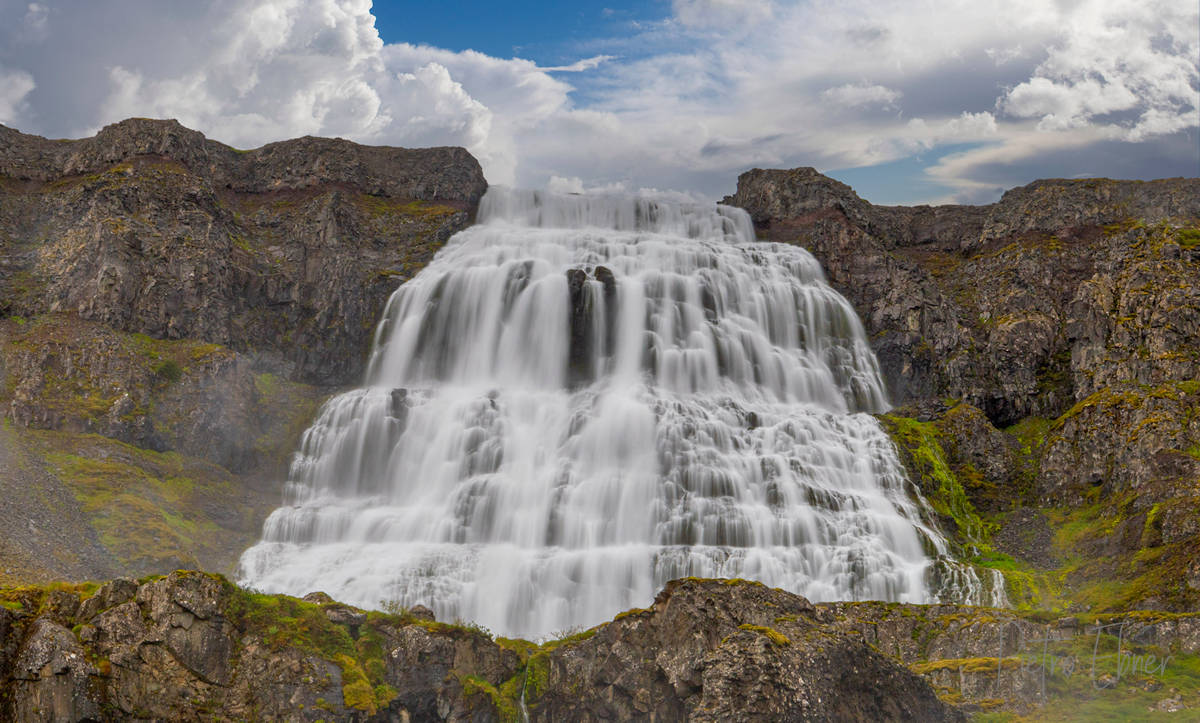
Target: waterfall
(583, 397)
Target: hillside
(172, 312)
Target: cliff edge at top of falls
(431, 174)
(172, 312)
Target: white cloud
(722, 13)
(35, 21)
(860, 94)
(15, 85)
(580, 65)
(1112, 57)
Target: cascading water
(584, 397)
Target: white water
(582, 398)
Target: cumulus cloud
(684, 102)
(1114, 57)
(278, 65)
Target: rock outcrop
(192, 647)
(1021, 308)
(288, 251)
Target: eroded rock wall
(192, 647)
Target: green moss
(537, 675)
(1030, 433)
(921, 450)
(151, 510)
(777, 638)
(1188, 238)
(523, 648)
(966, 665)
(633, 612)
(571, 638)
(357, 690)
(78, 379)
(169, 370)
(505, 708)
(282, 621)
(738, 582)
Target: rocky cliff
(285, 251)
(172, 311)
(1044, 351)
(190, 646)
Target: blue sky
(909, 102)
(546, 32)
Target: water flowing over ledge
(583, 397)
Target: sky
(908, 101)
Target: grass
(1096, 677)
(1188, 238)
(149, 509)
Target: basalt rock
(1067, 312)
(726, 650)
(1022, 307)
(192, 647)
(197, 302)
(287, 252)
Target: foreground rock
(727, 650)
(192, 647)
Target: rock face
(1067, 314)
(192, 647)
(287, 251)
(1020, 308)
(195, 302)
(711, 650)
